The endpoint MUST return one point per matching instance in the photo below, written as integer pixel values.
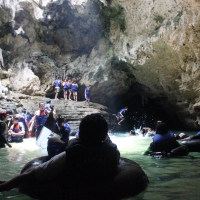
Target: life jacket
(28, 117)
(122, 111)
(91, 162)
(198, 133)
(87, 91)
(16, 129)
(65, 86)
(74, 87)
(57, 83)
(41, 119)
(5, 126)
(69, 85)
(22, 120)
(64, 132)
(163, 142)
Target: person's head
(3, 115)
(41, 106)
(48, 101)
(23, 110)
(16, 119)
(158, 122)
(161, 128)
(126, 108)
(60, 120)
(93, 129)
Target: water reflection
(170, 178)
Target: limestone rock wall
(120, 47)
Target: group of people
(13, 128)
(70, 90)
(19, 126)
(91, 155)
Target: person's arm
(121, 113)
(10, 130)
(17, 181)
(32, 123)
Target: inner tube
(177, 152)
(192, 145)
(129, 181)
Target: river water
(170, 178)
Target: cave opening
(145, 112)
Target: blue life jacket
(163, 142)
(28, 117)
(57, 83)
(87, 91)
(41, 119)
(122, 111)
(65, 86)
(198, 133)
(64, 132)
(22, 120)
(69, 85)
(74, 87)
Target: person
(74, 90)
(183, 136)
(3, 129)
(92, 156)
(39, 119)
(48, 107)
(120, 115)
(87, 94)
(54, 144)
(69, 89)
(163, 141)
(57, 84)
(65, 89)
(17, 130)
(23, 120)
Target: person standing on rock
(87, 94)
(39, 119)
(69, 89)
(3, 129)
(74, 90)
(57, 85)
(65, 88)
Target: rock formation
(123, 48)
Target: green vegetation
(159, 18)
(177, 18)
(115, 14)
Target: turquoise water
(170, 178)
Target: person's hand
(9, 132)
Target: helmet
(4, 112)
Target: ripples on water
(170, 178)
